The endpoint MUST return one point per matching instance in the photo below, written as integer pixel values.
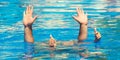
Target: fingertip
(77, 8)
(80, 9)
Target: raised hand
(52, 41)
(81, 17)
(97, 34)
(27, 16)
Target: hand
(81, 17)
(52, 41)
(28, 19)
(98, 35)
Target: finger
(82, 11)
(30, 7)
(31, 10)
(86, 16)
(27, 9)
(75, 17)
(35, 17)
(78, 12)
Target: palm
(81, 17)
(28, 19)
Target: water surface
(55, 17)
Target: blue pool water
(55, 17)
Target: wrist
(85, 24)
(29, 26)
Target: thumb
(34, 18)
(75, 17)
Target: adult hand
(81, 17)
(27, 16)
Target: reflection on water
(55, 17)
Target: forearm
(82, 32)
(28, 34)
